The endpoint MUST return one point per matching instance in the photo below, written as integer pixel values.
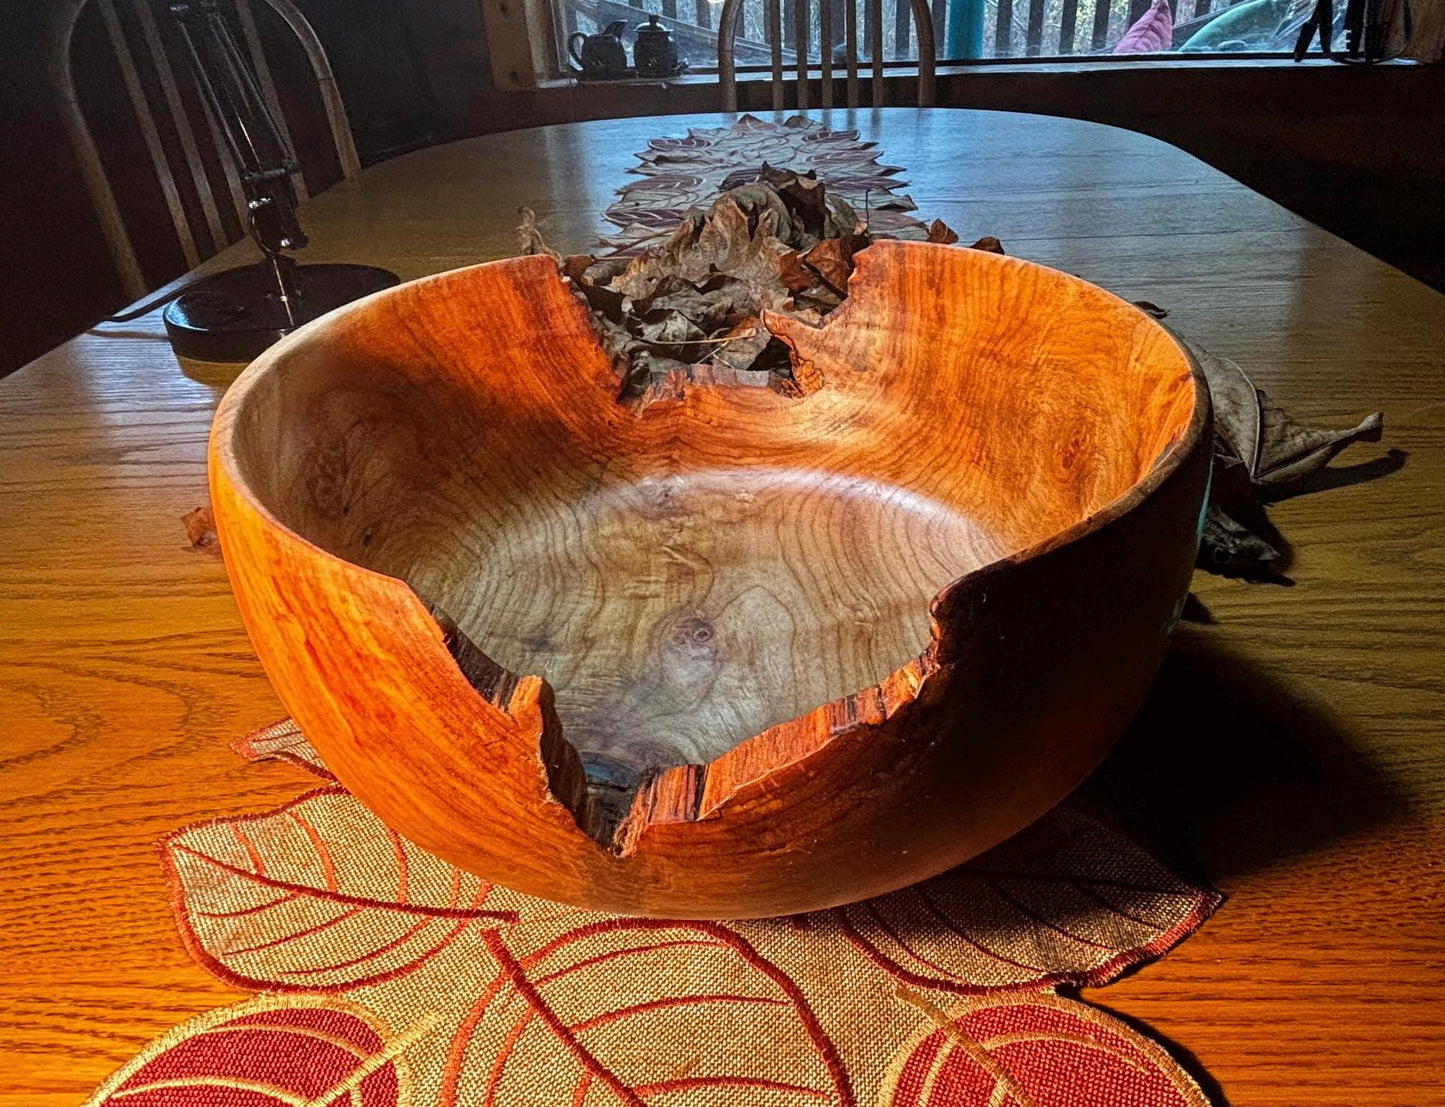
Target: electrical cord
(147, 307)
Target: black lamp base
(236, 314)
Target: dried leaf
(575, 266)
(1261, 455)
(939, 231)
(1228, 546)
(200, 524)
(740, 347)
(843, 221)
(796, 276)
(808, 205)
(1293, 453)
(832, 260)
(669, 328)
(1280, 454)
(531, 237)
(715, 305)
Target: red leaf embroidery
(1032, 1050)
(1070, 900)
(318, 895)
(310, 1052)
(282, 741)
(637, 1009)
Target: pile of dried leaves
(777, 243)
(780, 243)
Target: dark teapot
(655, 53)
(602, 55)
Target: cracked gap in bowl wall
(698, 610)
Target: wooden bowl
(732, 650)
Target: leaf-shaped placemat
(528, 1002)
(282, 741)
(1031, 1050)
(275, 1050)
(316, 896)
(1070, 900)
(634, 1007)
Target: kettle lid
(652, 27)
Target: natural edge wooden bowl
(729, 649)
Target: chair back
(731, 16)
(165, 111)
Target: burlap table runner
(387, 977)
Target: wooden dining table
(1292, 752)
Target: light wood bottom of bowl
(677, 616)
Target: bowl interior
(690, 570)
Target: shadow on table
(1227, 771)
(1211, 1087)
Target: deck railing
(972, 29)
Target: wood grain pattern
(808, 644)
(1293, 751)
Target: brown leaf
(832, 259)
(807, 203)
(989, 244)
(1261, 455)
(575, 266)
(1280, 454)
(742, 346)
(200, 524)
(843, 221)
(733, 243)
(795, 275)
(1293, 453)
(939, 231)
(531, 237)
(669, 328)
(1228, 546)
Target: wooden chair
(176, 155)
(731, 16)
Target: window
(970, 29)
